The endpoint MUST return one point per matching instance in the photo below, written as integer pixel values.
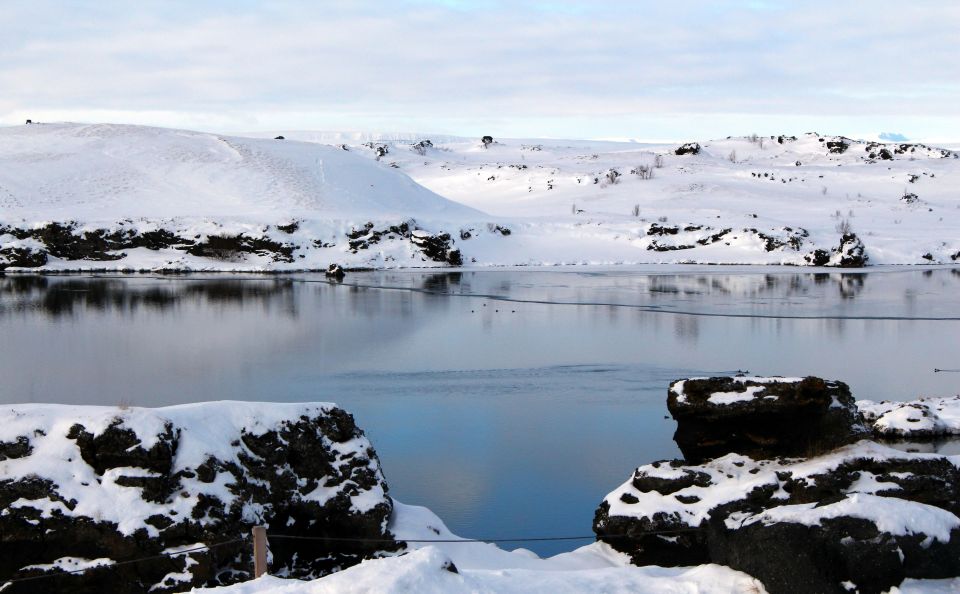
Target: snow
(733, 475)
(70, 564)
(206, 429)
(895, 516)
(727, 398)
(925, 417)
(911, 586)
(486, 568)
(195, 184)
(747, 395)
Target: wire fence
(173, 554)
(54, 574)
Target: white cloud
(550, 69)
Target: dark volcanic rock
(21, 258)
(130, 483)
(690, 148)
(851, 253)
(859, 518)
(66, 241)
(837, 146)
(438, 248)
(335, 271)
(762, 417)
(864, 514)
(232, 247)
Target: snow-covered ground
(561, 192)
(925, 417)
(516, 202)
(482, 567)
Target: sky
(664, 70)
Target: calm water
(509, 402)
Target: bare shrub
(643, 171)
(732, 157)
(636, 210)
(658, 161)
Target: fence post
(259, 551)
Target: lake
(509, 401)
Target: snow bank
(478, 567)
(926, 417)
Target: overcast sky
(670, 69)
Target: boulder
(762, 417)
(861, 518)
(690, 148)
(335, 271)
(837, 146)
(92, 485)
(922, 419)
(851, 253)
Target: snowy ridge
(820, 200)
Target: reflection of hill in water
(848, 285)
(67, 296)
(909, 293)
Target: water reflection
(515, 384)
(57, 296)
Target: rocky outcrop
(435, 247)
(859, 518)
(926, 418)
(94, 485)
(68, 241)
(690, 148)
(851, 253)
(865, 514)
(762, 417)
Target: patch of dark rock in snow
(233, 247)
(837, 146)
(68, 242)
(438, 247)
(690, 148)
(851, 253)
(909, 198)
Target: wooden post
(259, 551)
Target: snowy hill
(791, 194)
(119, 182)
(129, 197)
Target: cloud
(473, 65)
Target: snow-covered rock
(762, 416)
(864, 514)
(923, 418)
(83, 486)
